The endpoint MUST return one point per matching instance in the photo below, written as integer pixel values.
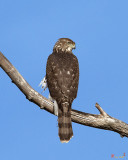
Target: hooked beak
(74, 46)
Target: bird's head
(64, 45)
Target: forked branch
(101, 121)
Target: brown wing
(62, 73)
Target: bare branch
(101, 121)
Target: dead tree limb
(101, 121)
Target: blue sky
(28, 32)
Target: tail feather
(64, 122)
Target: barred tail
(64, 122)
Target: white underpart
(55, 105)
(68, 72)
(43, 83)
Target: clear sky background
(28, 32)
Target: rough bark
(101, 121)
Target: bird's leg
(55, 105)
(43, 83)
(55, 108)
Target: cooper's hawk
(62, 75)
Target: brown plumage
(62, 74)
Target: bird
(62, 76)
